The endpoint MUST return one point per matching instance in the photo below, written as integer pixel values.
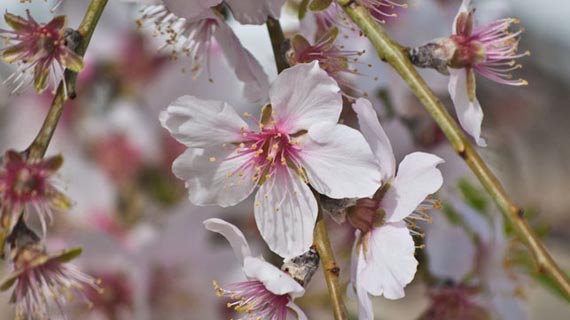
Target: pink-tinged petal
(376, 137)
(285, 212)
(304, 95)
(234, 236)
(300, 314)
(189, 9)
(450, 250)
(339, 162)
(211, 176)
(469, 112)
(365, 309)
(275, 280)
(417, 177)
(391, 264)
(464, 8)
(255, 11)
(201, 123)
(246, 67)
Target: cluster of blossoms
(296, 152)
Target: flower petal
(464, 8)
(365, 309)
(339, 162)
(189, 9)
(255, 11)
(391, 264)
(246, 67)
(304, 95)
(275, 280)
(376, 137)
(211, 176)
(201, 123)
(417, 177)
(234, 236)
(469, 112)
(285, 212)
(300, 314)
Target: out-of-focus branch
(39, 146)
(395, 55)
(277, 42)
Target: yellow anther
(212, 159)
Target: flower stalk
(330, 268)
(320, 237)
(396, 55)
(39, 146)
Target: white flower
(268, 293)
(297, 141)
(383, 257)
(192, 27)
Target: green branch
(395, 55)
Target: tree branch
(394, 54)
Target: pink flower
(383, 257)
(193, 30)
(30, 185)
(269, 292)
(491, 51)
(297, 141)
(333, 59)
(43, 51)
(42, 279)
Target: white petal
(246, 67)
(206, 173)
(202, 123)
(190, 9)
(417, 177)
(391, 264)
(376, 137)
(463, 8)
(255, 11)
(469, 113)
(285, 212)
(450, 250)
(300, 314)
(234, 236)
(365, 309)
(304, 95)
(275, 280)
(339, 162)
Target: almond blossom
(31, 185)
(42, 51)
(268, 293)
(193, 27)
(295, 142)
(383, 260)
(41, 279)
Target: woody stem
(40, 144)
(394, 54)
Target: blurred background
(144, 239)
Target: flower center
(265, 153)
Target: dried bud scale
(303, 267)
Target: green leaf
(474, 196)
